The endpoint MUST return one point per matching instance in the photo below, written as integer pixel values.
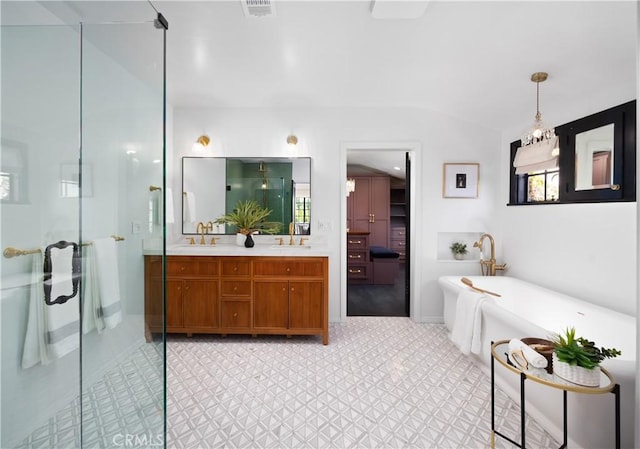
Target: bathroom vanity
(238, 294)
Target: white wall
(262, 132)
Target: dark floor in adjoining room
(377, 300)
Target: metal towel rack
(10, 251)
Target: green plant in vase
(578, 359)
(248, 216)
(458, 249)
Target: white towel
(168, 206)
(91, 306)
(531, 356)
(108, 281)
(467, 330)
(189, 213)
(52, 330)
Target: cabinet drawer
(235, 288)
(398, 245)
(236, 314)
(357, 242)
(235, 267)
(398, 233)
(191, 266)
(357, 256)
(284, 267)
(358, 271)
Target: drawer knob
(235, 314)
(186, 288)
(351, 256)
(293, 289)
(235, 268)
(235, 289)
(352, 271)
(288, 269)
(181, 268)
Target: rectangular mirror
(213, 186)
(594, 156)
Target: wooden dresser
(358, 263)
(238, 295)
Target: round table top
(500, 350)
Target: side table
(499, 351)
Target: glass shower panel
(122, 154)
(40, 147)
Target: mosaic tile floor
(380, 383)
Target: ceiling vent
(258, 8)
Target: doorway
(378, 275)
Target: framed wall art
(460, 180)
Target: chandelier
(538, 132)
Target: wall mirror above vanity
(212, 186)
(596, 163)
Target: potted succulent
(458, 249)
(577, 359)
(248, 216)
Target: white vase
(240, 238)
(576, 374)
(458, 256)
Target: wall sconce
(292, 141)
(200, 143)
(351, 186)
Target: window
(597, 162)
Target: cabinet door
(153, 309)
(236, 314)
(200, 303)
(361, 209)
(379, 206)
(271, 304)
(305, 305)
(174, 303)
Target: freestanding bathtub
(527, 310)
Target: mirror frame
(624, 160)
(249, 159)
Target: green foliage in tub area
(580, 351)
(458, 248)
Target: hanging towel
(467, 330)
(60, 278)
(108, 281)
(90, 294)
(52, 330)
(35, 347)
(189, 207)
(168, 211)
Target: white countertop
(227, 249)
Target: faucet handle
(191, 240)
(213, 240)
(501, 266)
(302, 239)
(280, 241)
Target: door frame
(415, 240)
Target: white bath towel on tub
(108, 280)
(466, 331)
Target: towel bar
(152, 188)
(10, 251)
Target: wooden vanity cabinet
(234, 295)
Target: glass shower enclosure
(81, 181)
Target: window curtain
(538, 156)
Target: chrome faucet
(489, 267)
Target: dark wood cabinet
(368, 208)
(358, 261)
(229, 294)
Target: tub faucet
(489, 267)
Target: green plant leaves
(580, 351)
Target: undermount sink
(290, 247)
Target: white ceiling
(470, 60)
